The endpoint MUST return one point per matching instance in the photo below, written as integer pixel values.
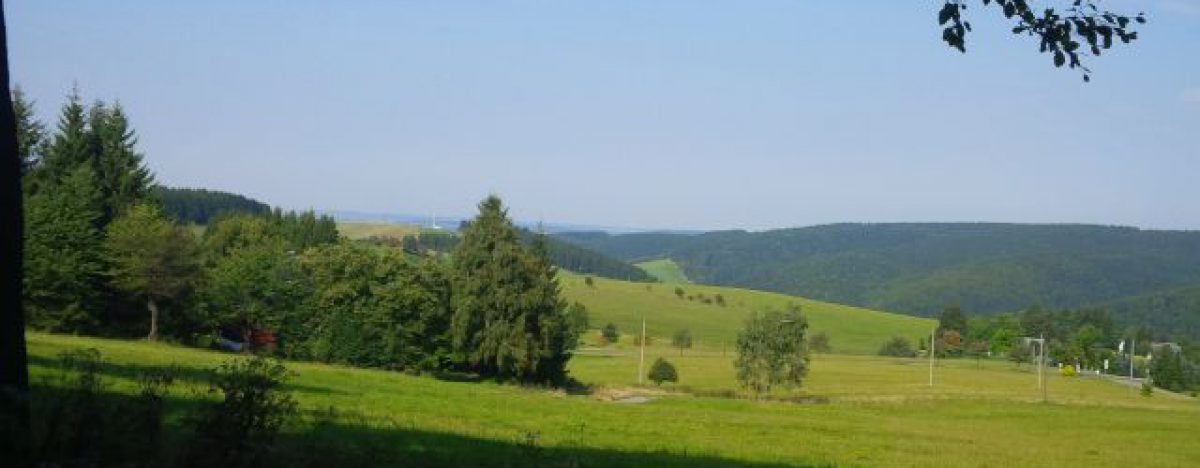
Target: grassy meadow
(876, 411)
(365, 230)
(664, 270)
(852, 330)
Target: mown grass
(664, 270)
(852, 330)
(880, 412)
(357, 231)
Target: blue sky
(663, 114)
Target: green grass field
(665, 270)
(851, 330)
(364, 230)
(879, 411)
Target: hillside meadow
(875, 411)
(664, 270)
(852, 330)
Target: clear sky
(657, 114)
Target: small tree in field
(819, 343)
(662, 371)
(897, 347)
(679, 292)
(591, 283)
(1020, 353)
(151, 258)
(610, 333)
(772, 350)
(682, 340)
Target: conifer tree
(31, 133)
(122, 176)
(509, 320)
(63, 265)
(68, 149)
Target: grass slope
(851, 330)
(877, 416)
(664, 270)
(357, 231)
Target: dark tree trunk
(14, 377)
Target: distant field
(366, 230)
(665, 270)
(880, 412)
(851, 330)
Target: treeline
(918, 268)
(198, 206)
(562, 254)
(1084, 339)
(104, 258)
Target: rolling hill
(664, 270)
(852, 330)
(919, 268)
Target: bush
(662, 371)
(679, 292)
(78, 422)
(720, 300)
(610, 333)
(1147, 388)
(898, 347)
(589, 281)
(1067, 370)
(240, 428)
(819, 343)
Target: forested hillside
(918, 268)
(199, 205)
(562, 254)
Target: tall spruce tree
(63, 264)
(31, 133)
(509, 321)
(122, 176)
(68, 149)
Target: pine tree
(31, 133)
(121, 174)
(509, 320)
(151, 258)
(68, 149)
(63, 267)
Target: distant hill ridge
(918, 268)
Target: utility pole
(642, 359)
(1042, 367)
(1132, 345)
(931, 342)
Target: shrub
(1067, 370)
(610, 333)
(720, 300)
(589, 281)
(682, 340)
(1147, 388)
(240, 428)
(819, 343)
(679, 292)
(898, 347)
(662, 371)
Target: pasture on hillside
(852, 330)
(875, 415)
(664, 270)
(366, 230)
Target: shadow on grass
(191, 375)
(328, 439)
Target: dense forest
(919, 268)
(198, 206)
(562, 254)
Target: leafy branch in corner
(1081, 30)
